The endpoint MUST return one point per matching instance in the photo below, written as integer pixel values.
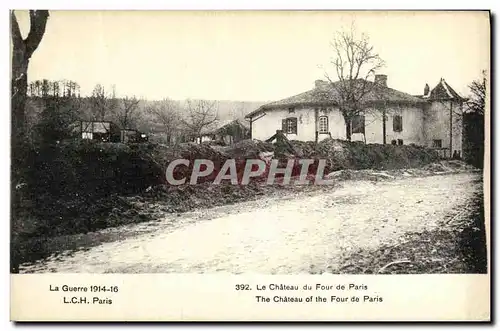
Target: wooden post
(279, 136)
(451, 127)
(384, 126)
(316, 134)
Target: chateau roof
(443, 91)
(325, 94)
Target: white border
(255, 4)
(177, 5)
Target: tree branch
(17, 38)
(354, 62)
(38, 23)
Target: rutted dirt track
(304, 234)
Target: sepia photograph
(249, 165)
(278, 143)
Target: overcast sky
(254, 56)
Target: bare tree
(239, 110)
(53, 88)
(70, 88)
(126, 111)
(46, 88)
(477, 100)
(354, 61)
(102, 103)
(56, 88)
(200, 114)
(98, 102)
(166, 112)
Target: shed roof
(220, 125)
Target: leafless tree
(167, 113)
(98, 102)
(238, 110)
(53, 88)
(126, 111)
(70, 88)
(102, 103)
(354, 62)
(199, 114)
(477, 100)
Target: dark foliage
(473, 139)
(57, 120)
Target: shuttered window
(358, 124)
(289, 125)
(397, 123)
(323, 124)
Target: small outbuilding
(104, 131)
(228, 132)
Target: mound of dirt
(458, 165)
(249, 149)
(448, 166)
(434, 167)
(360, 175)
(162, 155)
(357, 155)
(304, 149)
(337, 154)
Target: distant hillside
(145, 121)
(229, 110)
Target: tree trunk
(21, 53)
(347, 128)
(19, 89)
(384, 127)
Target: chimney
(381, 80)
(318, 83)
(426, 89)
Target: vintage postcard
(250, 165)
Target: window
(86, 135)
(437, 143)
(358, 124)
(323, 124)
(397, 123)
(291, 110)
(393, 142)
(289, 125)
(400, 141)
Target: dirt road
(302, 234)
